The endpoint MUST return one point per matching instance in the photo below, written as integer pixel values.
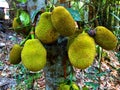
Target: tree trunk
(57, 64)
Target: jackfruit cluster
(55, 23)
(81, 51)
(15, 54)
(33, 55)
(105, 38)
(45, 30)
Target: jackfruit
(18, 27)
(15, 54)
(15, 23)
(105, 38)
(63, 21)
(82, 51)
(64, 87)
(33, 55)
(45, 30)
(72, 37)
(74, 86)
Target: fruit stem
(18, 12)
(23, 41)
(32, 32)
(83, 32)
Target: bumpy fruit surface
(63, 21)
(33, 55)
(72, 37)
(82, 51)
(64, 87)
(74, 86)
(105, 38)
(45, 30)
(15, 54)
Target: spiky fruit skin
(33, 55)
(105, 38)
(63, 21)
(72, 37)
(15, 54)
(15, 24)
(45, 30)
(82, 51)
(74, 86)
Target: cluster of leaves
(94, 76)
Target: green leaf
(92, 84)
(101, 74)
(118, 18)
(25, 18)
(92, 77)
(22, 1)
(75, 14)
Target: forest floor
(109, 79)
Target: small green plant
(24, 78)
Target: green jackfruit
(15, 24)
(64, 87)
(63, 21)
(15, 54)
(72, 37)
(45, 30)
(33, 55)
(74, 86)
(82, 51)
(19, 27)
(105, 38)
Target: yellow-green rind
(74, 86)
(105, 38)
(45, 30)
(82, 51)
(64, 87)
(63, 21)
(72, 37)
(33, 55)
(15, 54)
(15, 24)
